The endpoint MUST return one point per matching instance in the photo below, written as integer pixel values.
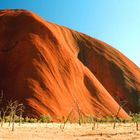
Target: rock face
(52, 69)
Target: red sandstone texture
(52, 69)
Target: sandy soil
(53, 131)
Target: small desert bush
(135, 117)
(26, 119)
(32, 120)
(87, 119)
(45, 118)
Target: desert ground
(54, 131)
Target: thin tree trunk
(10, 119)
(115, 117)
(94, 123)
(114, 124)
(2, 121)
(67, 118)
(20, 119)
(13, 123)
(137, 126)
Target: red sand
(53, 69)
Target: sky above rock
(117, 22)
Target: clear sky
(117, 22)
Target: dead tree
(94, 120)
(65, 121)
(135, 119)
(1, 97)
(79, 111)
(121, 105)
(14, 108)
(3, 114)
(10, 104)
(20, 110)
(3, 111)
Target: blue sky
(117, 22)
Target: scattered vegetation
(12, 113)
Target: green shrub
(26, 119)
(44, 118)
(32, 120)
(135, 117)
(7, 118)
(88, 119)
